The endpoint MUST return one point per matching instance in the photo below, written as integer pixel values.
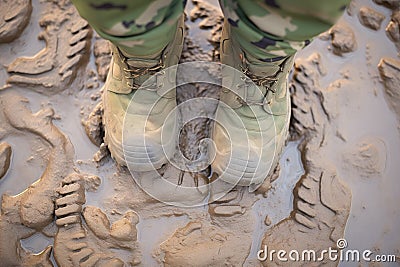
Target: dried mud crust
(321, 200)
(342, 38)
(67, 38)
(90, 243)
(32, 210)
(370, 18)
(57, 196)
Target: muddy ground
(66, 203)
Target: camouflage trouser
(267, 30)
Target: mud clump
(92, 182)
(123, 230)
(121, 234)
(393, 28)
(389, 70)
(5, 158)
(14, 17)
(370, 18)
(392, 4)
(102, 154)
(94, 125)
(227, 210)
(97, 221)
(342, 39)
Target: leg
(139, 28)
(147, 37)
(273, 29)
(259, 40)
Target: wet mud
(65, 202)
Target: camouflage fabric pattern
(271, 30)
(138, 27)
(268, 30)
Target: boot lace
(132, 73)
(268, 82)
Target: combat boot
(252, 118)
(136, 107)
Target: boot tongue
(263, 69)
(144, 61)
